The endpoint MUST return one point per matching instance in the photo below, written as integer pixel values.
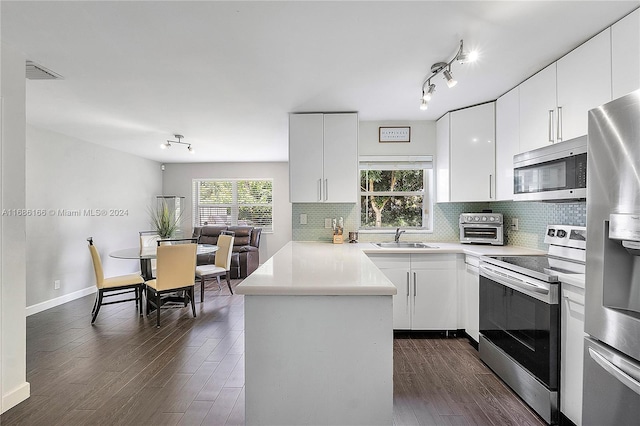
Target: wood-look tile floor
(123, 370)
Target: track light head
(423, 105)
(450, 80)
(429, 93)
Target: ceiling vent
(38, 72)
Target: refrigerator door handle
(616, 371)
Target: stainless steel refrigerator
(611, 390)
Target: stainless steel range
(520, 316)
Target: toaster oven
(481, 228)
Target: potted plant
(165, 220)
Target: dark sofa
(246, 256)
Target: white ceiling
(226, 74)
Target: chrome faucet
(398, 233)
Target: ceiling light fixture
(428, 89)
(167, 144)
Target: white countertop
(325, 269)
(317, 269)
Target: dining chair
(148, 244)
(113, 286)
(221, 265)
(176, 263)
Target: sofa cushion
(242, 235)
(209, 234)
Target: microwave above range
(555, 172)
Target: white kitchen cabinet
(323, 158)
(625, 55)
(471, 152)
(442, 159)
(537, 109)
(435, 292)
(583, 83)
(507, 142)
(427, 296)
(571, 352)
(472, 297)
(400, 277)
(555, 101)
(397, 267)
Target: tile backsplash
(533, 217)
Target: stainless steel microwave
(555, 172)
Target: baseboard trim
(16, 396)
(52, 303)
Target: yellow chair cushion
(204, 270)
(122, 280)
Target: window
(395, 192)
(233, 202)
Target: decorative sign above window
(395, 134)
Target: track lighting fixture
(447, 76)
(167, 144)
(428, 88)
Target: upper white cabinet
(323, 158)
(625, 55)
(537, 109)
(470, 150)
(554, 102)
(584, 83)
(507, 141)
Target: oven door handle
(509, 281)
(615, 370)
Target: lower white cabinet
(472, 297)
(571, 352)
(427, 296)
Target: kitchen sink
(404, 245)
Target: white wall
(70, 174)
(178, 178)
(13, 384)
(423, 139)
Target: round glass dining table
(147, 253)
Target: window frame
(424, 163)
(233, 206)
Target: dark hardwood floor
(123, 370)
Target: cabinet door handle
(551, 125)
(490, 181)
(415, 287)
(326, 189)
(407, 285)
(319, 189)
(559, 138)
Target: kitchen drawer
(434, 261)
(390, 260)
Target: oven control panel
(490, 218)
(566, 236)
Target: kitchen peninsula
(318, 338)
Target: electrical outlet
(303, 218)
(56, 284)
(514, 224)
(327, 222)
